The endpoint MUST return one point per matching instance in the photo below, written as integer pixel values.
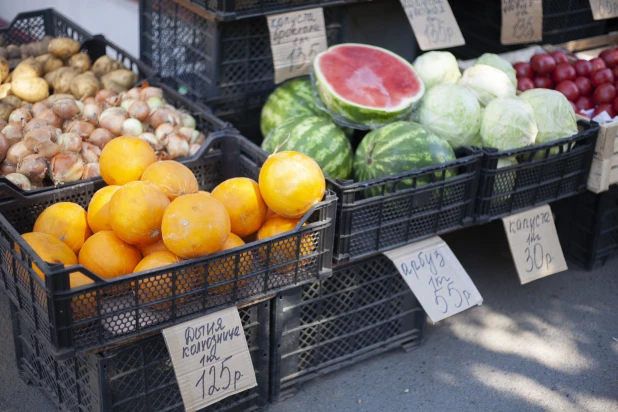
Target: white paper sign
(210, 357)
(433, 23)
(295, 39)
(522, 21)
(534, 244)
(436, 278)
(604, 9)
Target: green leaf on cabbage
(508, 123)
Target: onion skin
(34, 167)
(36, 124)
(51, 118)
(13, 132)
(39, 108)
(41, 141)
(19, 180)
(139, 110)
(21, 116)
(7, 168)
(90, 153)
(17, 152)
(70, 142)
(100, 137)
(103, 94)
(163, 130)
(91, 170)
(91, 113)
(152, 140)
(148, 92)
(83, 129)
(65, 108)
(176, 146)
(66, 167)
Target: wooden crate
(604, 169)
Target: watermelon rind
(347, 113)
(318, 138)
(291, 99)
(400, 147)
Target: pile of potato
(59, 139)
(14, 53)
(63, 70)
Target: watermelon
(365, 86)
(400, 147)
(316, 137)
(293, 98)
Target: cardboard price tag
(433, 23)
(295, 39)
(436, 278)
(604, 9)
(210, 357)
(534, 244)
(522, 21)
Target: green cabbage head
(493, 60)
(508, 123)
(487, 83)
(437, 67)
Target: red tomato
(602, 76)
(597, 64)
(543, 63)
(615, 104)
(524, 84)
(523, 69)
(544, 82)
(584, 103)
(563, 71)
(605, 93)
(582, 67)
(559, 56)
(610, 57)
(584, 85)
(615, 72)
(569, 89)
(604, 108)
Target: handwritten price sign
(436, 277)
(522, 21)
(604, 9)
(534, 244)
(210, 357)
(295, 39)
(433, 23)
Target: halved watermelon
(365, 86)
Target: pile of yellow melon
(153, 214)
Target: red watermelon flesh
(369, 76)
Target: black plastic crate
(110, 311)
(209, 60)
(587, 226)
(406, 211)
(543, 173)
(563, 21)
(137, 376)
(226, 10)
(364, 309)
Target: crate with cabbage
(520, 134)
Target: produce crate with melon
(405, 180)
(363, 310)
(136, 376)
(93, 265)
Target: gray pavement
(551, 345)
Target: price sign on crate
(295, 39)
(534, 244)
(433, 23)
(436, 277)
(210, 357)
(604, 9)
(522, 21)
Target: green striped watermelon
(400, 147)
(316, 137)
(293, 98)
(365, 86)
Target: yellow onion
(163, 130)
(112, 119)
(70, 142)
(139, 110)
(176, 146)
(7, 168)
(4, 147)
(187, 120)
(39, 108)
(34, 167)
(65, 108)
(149, 92)
(194, 148)
(104, 94)
(91, 113)
(83, 129)
(152, 140)
(66, 167)
(20, 115)
(19, 180)
(132, 127)
(155, 103)
(13, 132)
(100, 137)
(131, 94)
(90, 153)
(41, 141)
(91, 170)
(17, 152)
(50, 118)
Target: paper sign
(436, 278)
(433, 24)
(522, 21)
(210, 357)
(534, 244)
(295, 39)
(604, 9)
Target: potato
(3, 52)
(62, 80)
(84, 85)
(31, 89)
(63, 47)
(12, 100)
(119, 80)
(28, 68)
(5, 111)
(5, 90)
(13, 52)
(80, 62)
(104, 65)
(49, 62)
(4, 69)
